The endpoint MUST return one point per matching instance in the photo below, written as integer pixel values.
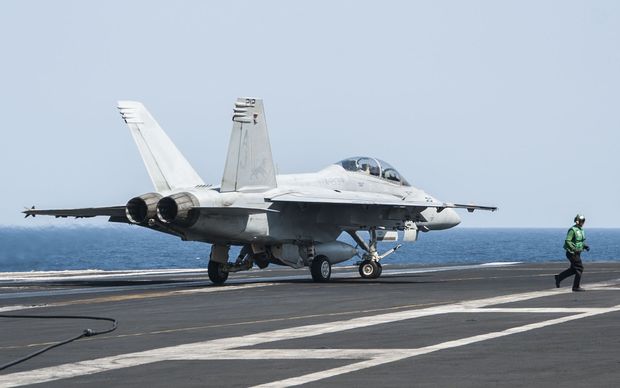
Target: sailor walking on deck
(574, 245)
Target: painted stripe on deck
(399, 354)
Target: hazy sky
(511, 103)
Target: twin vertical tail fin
(165, 164)
(249, 164)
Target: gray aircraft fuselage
(294, 222)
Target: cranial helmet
(580, 218)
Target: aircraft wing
(367, 199)
(470, 207)
(345, 198)
(110, 211)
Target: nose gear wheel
(370, 269)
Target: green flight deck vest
(574, 239)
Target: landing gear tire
(321, 269)
(216, 273)
(370, 269)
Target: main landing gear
(219, 267)
(216, 272)
(321, 269)
(370, 267)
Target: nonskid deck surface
(484, 325)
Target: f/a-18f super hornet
(293, 220)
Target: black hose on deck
(85, 333)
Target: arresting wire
(85, 333)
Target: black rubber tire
(216, 274)
(321, 269)
(380, 270)
(370, 269)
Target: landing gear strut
(370, 268)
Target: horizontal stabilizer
(111, 211)
(165, 164)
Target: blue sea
(117, 247)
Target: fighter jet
(293, 220)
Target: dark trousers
(576, 268)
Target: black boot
(557, 281)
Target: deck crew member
(574, 245)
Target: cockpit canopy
(374, 167)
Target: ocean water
(130, 247)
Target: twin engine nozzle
(175, 209)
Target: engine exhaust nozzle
(178, 209)
(143, 208)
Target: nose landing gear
(370, 267)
